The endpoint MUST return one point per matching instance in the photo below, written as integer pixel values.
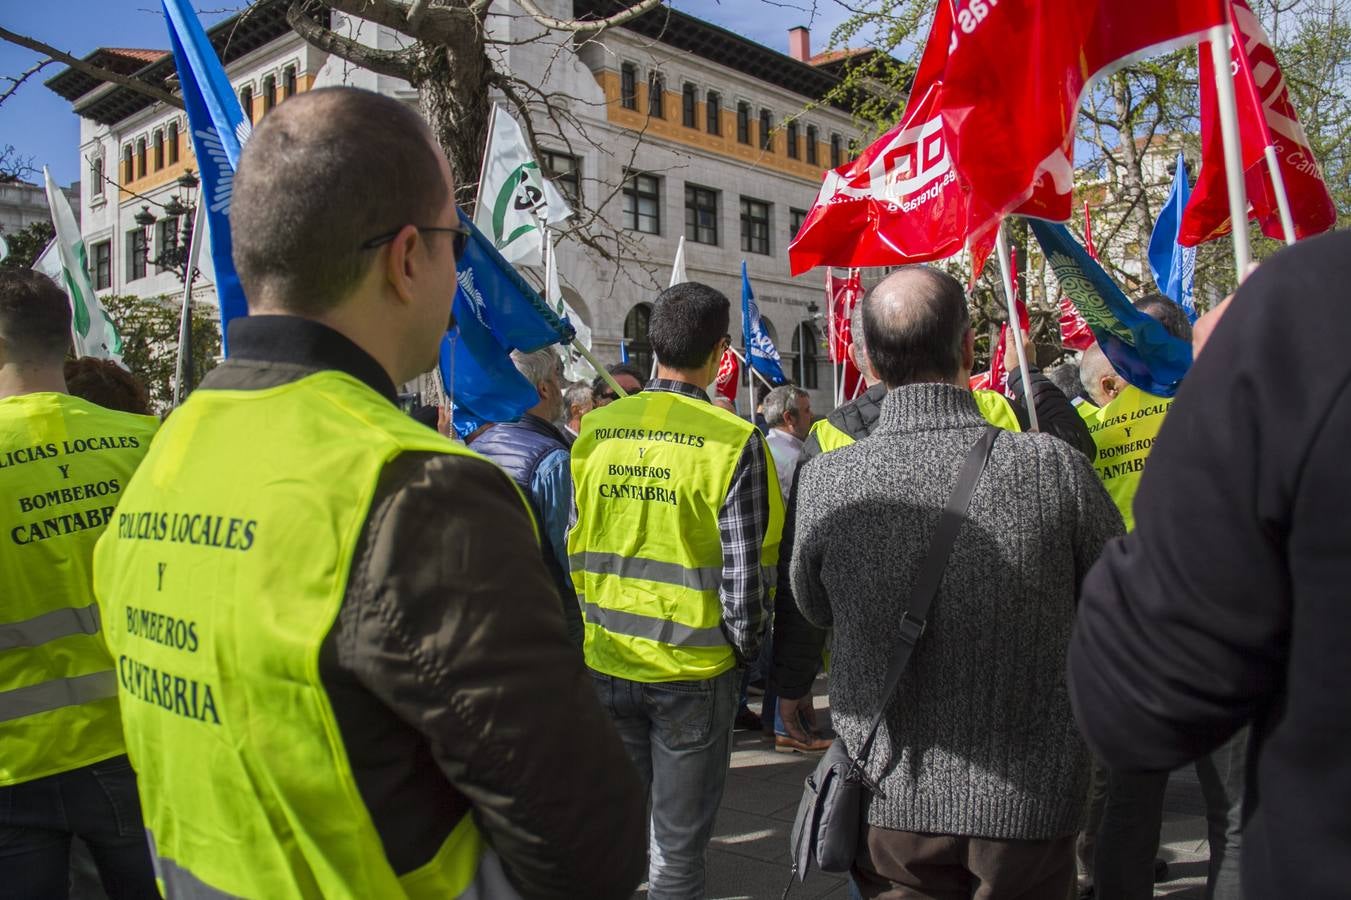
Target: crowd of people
(294, 643)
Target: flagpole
(185, 317)
(600, 369)
(1002, 244)
(750, 368)
(1282, 198)
(1233, 154)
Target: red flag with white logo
(1011, 88)
(729, 375)
(843, 295)
(1266, 116)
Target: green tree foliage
(26, 244)
(149, 329)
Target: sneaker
(786, 743)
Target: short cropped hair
(914, 323)
(577, 397)
(688, 320)
(1171, 315)
(105, 383)
(600, 388)
(325, 172)
(537, 367)
(782, 399)
(34, 317)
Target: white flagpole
(185, 317)
(1282, 198)
(750, 368)
(600, 369)
(1233, 152)
(1005, 271)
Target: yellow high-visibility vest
(650, 474)
(1124, 431)
(994, 406)
(219, 581)
(64, 463)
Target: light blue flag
(219, 130)
(496, 311)
(1174, 265)
(760, 350)
(1138, 346)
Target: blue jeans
(1128, 838)
(679, 736)
(97, 802)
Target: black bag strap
(915, 617)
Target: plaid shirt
(742, 521)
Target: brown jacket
(450, 674)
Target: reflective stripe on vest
(651, 474)
(1124, 432)
(219, 587)
(64, 463)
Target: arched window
(288, 81)
(128, 172)
(635, 338)
(246, 101)
(140, 157)
(269, 93)
(805, 359)
(173, 143)
(158, 143)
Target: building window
(688, 107)
(701, 214)
(628, 86)
(173, 143)
(159, 149)
(269, 93)
(656, 95)
(103, 265)
(835, 151)
(795, 219)
(246, 101)
(642, 203)
(635, 337)
(136, 253)
(793, 151)
(96, 177)
(566, 173)
(140, 157)
(713, 113)
(128, 173)
(288, 82)
(166, 238)
(754, 226)
(812, 139)
(805, 362)
(743, 122)
(766, 130)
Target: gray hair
(577, 397)
(537, 367)
(1092, 367)
(781, 400)
(856, 327)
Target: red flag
(1011, 88)
(1074, 331)
(729, 375)
(1266, 116)
(841, 298)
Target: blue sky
(40, 124)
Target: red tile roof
(831, 56)
(145, 56)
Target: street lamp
(174, 256)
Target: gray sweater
(979, 739)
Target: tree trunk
(1133, 179)
(453, 83)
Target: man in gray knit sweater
(981, 769)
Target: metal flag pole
(600, 369)
(1233, 153)
(185, 317)
(1282, 198)
(1002, 244)
(750, 368)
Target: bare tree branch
(580, 26)
(394, 63)
(93, 71)
(16, 81)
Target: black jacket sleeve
(798, 644)
(1055, 414)
(1186, 625)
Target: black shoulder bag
(829, 816)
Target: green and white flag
(515, 200)
(575, 366)
(67, 263)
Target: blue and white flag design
(1137, 345)
(496, 311)
(624, 351)
(760, 350)
(219, 131)
(1174, 265)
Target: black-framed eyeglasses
(456, 247)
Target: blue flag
(623, 351)
(1138, 346)
(1174, 265)
(496, 311)
(219, 130)
(760, 350)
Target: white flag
(514, 197)
(678, 275)
(93, 330)
(575, 366)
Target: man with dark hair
(626, 376)
(678, 520)
(107, 384)
(342, 613)
(63, 464)
(535, 454)
(980, 771)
